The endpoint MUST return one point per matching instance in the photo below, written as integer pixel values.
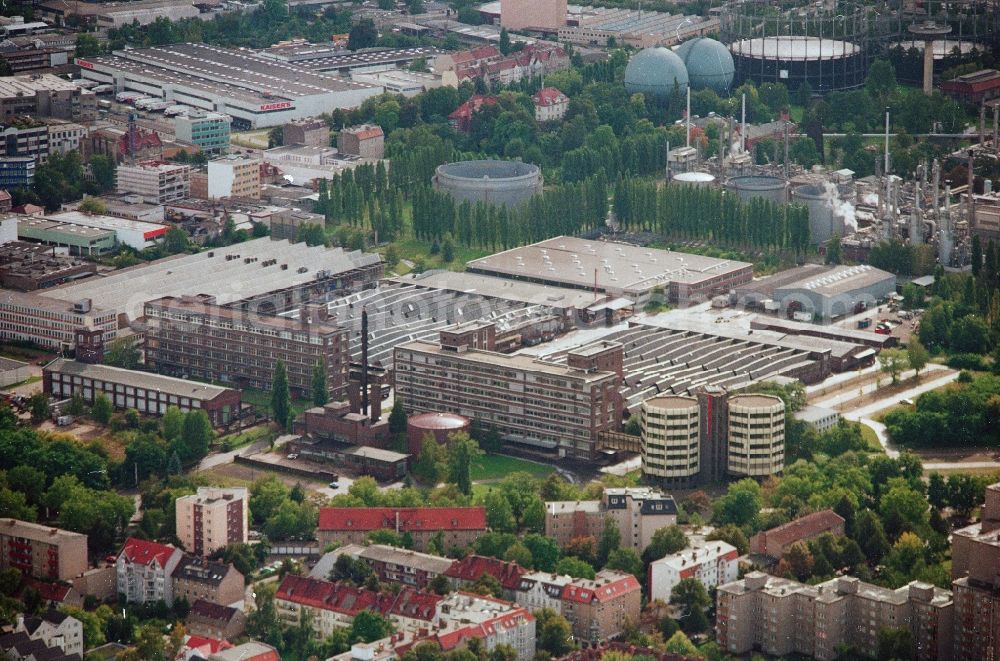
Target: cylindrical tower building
(756, 435)
(670, 439)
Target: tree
(447, 250)
(280, 398)
(102, 409)
(554, 634)
(196, 436)
(881, 81)
(362, 35)
(92, 205)
(666, 540)
(369, 626)
(462, 452)
(87, 45)
(691, 595)
(518, 553)
(626, 560)
(173, 423)
(320, 394)
(123, 353)
(680, 644)
(892, 362)
(103, 168)
(741, 504)
(800, 560)
(575, 567)
(833, 252)
(916, 356)
(895, 644)
(731, 535)
(266, 496)
(430, 464)
(38, 404)
(397, 417)
(504, 45)
(175, 240)
(499, 514)
(544, 551)
(903, 509)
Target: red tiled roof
(589, 592)
(143, 552)
(548, 96)
(48, 591)
(450, 640)
(411, 519)
(351, 600)
(368, 133)
(472, 106)
(804, 527)
(206, 645)
(472, 567)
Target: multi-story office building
(23, 137)
(45, 96)
(208, 130)
(194, 336)
(560, 408)
(212, 518)
(65, 137)
(637, 511)
(599, 609)
(712, 563)
(691, 440)
(975, 568)
(42, 551)
(51, 323)
(144, 569)
(782, 617)
(458, 526)
(17, 171)
(156, 182)
(234, 176)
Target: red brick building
(459, 526)
(465, 572)
(774, 542)
(975, 87)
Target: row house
(148, 572)
(456, 527)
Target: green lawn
(871, 438)
(496, 467)
(262, 400)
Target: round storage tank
(508, 183)
(823, 222)
(709, 64)
(751, 186)
(698, 179)
(655, 72)
(438, 425)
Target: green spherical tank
(654, 72)
(709, 64)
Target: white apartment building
(542, 590)
(712, 564)
(212, 518)
(144, 569)
(55, 629)
(156, 182)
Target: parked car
(293, 455)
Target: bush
(967, 361)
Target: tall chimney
(364, 361)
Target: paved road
(222, 458)
(853, 393)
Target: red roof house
(402, 519)
(775, 542)
(550, 104)
(461, 118)
(471, 568)
(350, 600)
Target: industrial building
(156, 182)
(50, 323)
(693, 440)
(557, 409)
(821, 293)
(147, 393)
(76, 239)
(593, 26)
(537, 15)
(194, 336)
(257, 92)
(45, 96)
(269, 276)
(29, 266)
(507, 183)
(617, 269)
(324, 58)
(132, 233)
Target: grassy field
(496, 467)
(871, 438)
(262, 400)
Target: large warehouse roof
(229, 274)
(839, 280)
(618, 266)
(502, 288)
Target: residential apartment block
(313, 132)
(458, 527)
(975, 568)
(555, 407)
(212, 518)
(366, 141)
(638, 512)
(151, 394)
(463, 574)
(199, 578)
(599, 609)
(42, 551)
(234, 176)
(688, 441)
(212, 620)
(144, 569)
(712, 564)
(156, 182)
(390, 564)
(194, 336)
(777, 616)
